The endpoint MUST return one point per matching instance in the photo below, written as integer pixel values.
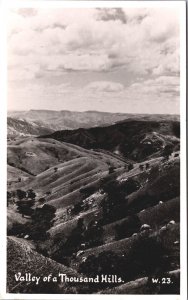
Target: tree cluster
(114, 205)
(25, 202)
(129, 226)
(37, 227)
(81, 237)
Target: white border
(3, 147)
(6, 4)
(183, 161)
(92, 4)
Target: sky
(104, 59)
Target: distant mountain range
(39, 122)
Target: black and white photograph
(93, 149)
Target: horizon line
(85, 111)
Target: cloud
(104, 86)
(27, 73)
(99, 49)
(161, 87)
(97, 40)
(106, 14)
(157, 95)
(27, 12)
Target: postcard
(95, 197)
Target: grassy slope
(169, 236)
(36, 155)
(77, 168)
(16, 128)
(13, 217)
(21, 258)
(155, 216)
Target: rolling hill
(105, 183)
(133, 139)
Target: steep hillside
(22, 258)
(14, 175)
(34, 156)
(20, 127)
(132, 139)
